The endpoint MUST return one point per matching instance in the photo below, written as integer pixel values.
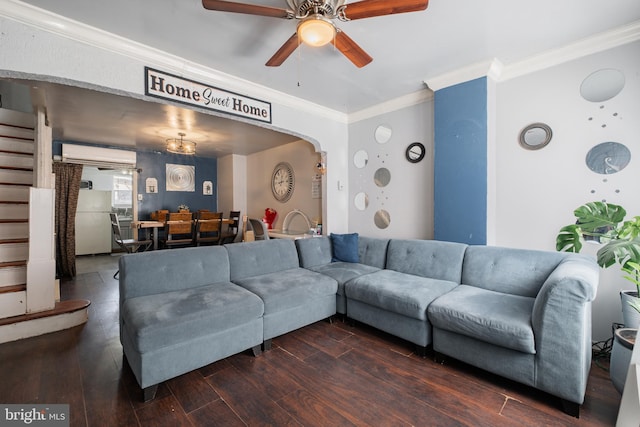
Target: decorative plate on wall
(608, 158)
(181, 177)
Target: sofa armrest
(561, 322)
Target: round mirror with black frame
(415, 152)
(535, 136)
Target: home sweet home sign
(168, 86)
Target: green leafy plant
(605, 223)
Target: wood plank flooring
(326, 374)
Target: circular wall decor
(180, 177)
(608, 158)
(535, 136)
(282, 182)
(382, 219)
(382, 177)
(602, 85)
(382, 134)
(360, 159)
(361, 201)
(415, 152)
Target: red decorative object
(269, 217)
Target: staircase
(16, 178)
(28, 299)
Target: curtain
(68, 177)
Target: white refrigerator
(93, 224)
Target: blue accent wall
(153, 165)
(460, 194)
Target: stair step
(13, 161)
(14, 252)
(16, 177)
(14, 193)
(9, 241)
(13, 303)
(17, 118)
(7, 264)
(62, 307)
(16, 132)
(14, 211)
(13, 288)
(12, 274)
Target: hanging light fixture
(316, 30)
(181, 146)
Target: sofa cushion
(249, 259)
(513, 271)
(427, 258)
(397, 292)
(489, 316)
(345, 247)
(317, 251)
(289, 288)
(160, 320)
(342, 272)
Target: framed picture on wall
(181, 177)
(207, 188)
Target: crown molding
(498, 71)
(405, 101)
(77, 31)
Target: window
(122, 191)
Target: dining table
(156, 225)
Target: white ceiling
(407, 50)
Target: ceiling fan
(316, 27)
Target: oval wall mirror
(602, 85)
(535, 136)
(360, 159)
(608, 158)
(361, 201)
(382, 219)
(382, 177)
(383, 134)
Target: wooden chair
(232, 229)
(208, 228)
(128, 245)
(178, 230)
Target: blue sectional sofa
(522, 314)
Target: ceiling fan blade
(284, 52)
(351, 50)
(371, 8)
(251, 9)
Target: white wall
(409, 196)
(537, 191)
(302, 157)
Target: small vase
(630, 316)
(623, 343)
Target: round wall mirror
(602, 85)
(382, 177)
(383, 134)
(382, 219)
(360, 159)
(608, 158)
(361, 201)
(535, 136)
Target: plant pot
(630, 316)
(623, 342)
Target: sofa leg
(266, 345)
(571, 408)
(149, 393)
(256, 350)
(421, 351)
(439, 357)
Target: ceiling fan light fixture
(181, 146)
(316, 30)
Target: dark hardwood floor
(326, 374)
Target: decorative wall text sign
(168, 86)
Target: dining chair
(127, 245)
(232, 228)
(178, 230)
(260, 230)
(208, 229)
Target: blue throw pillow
(345, 247)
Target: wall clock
(282, 182)
(415, 152)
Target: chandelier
(181, 146)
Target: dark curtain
(68, 177)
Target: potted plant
(183, 208)
(605, 223)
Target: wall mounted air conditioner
(98, 156)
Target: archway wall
(87, 58)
